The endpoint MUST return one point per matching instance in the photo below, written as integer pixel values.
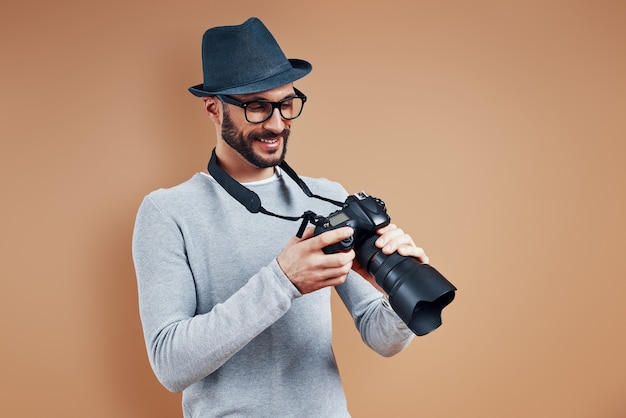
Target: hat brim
(299, 68)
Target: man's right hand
(308, 267)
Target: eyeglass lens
(261, 111)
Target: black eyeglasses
(258, 111)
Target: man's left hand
(393, 239)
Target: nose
(275, 123)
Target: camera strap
(252, 202)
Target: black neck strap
(252, 202)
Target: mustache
(268, 135)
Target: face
(263, 145)
(260, 148)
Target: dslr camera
(417, 292)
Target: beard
(244, 146)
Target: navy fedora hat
(245, 59)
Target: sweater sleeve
(184, 347)
(380, 327)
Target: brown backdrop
(495, 131)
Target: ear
(213, 109)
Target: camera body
(417, 292)
(363, 213)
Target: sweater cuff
(284, 282)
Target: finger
(308, 233)
(341, 260)
(324, 276)
(385, 229)
(392, 239)
(336, 276)
(338, 271)
(333, 281)
(336, 281)
(331, 237)
(413, 251)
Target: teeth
(268, 141)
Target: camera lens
(417, 292)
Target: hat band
(275, 72)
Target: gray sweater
(222, 322)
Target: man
(236, 308)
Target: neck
(239, 168)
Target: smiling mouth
(271, 139)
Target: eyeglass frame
(275, 105)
